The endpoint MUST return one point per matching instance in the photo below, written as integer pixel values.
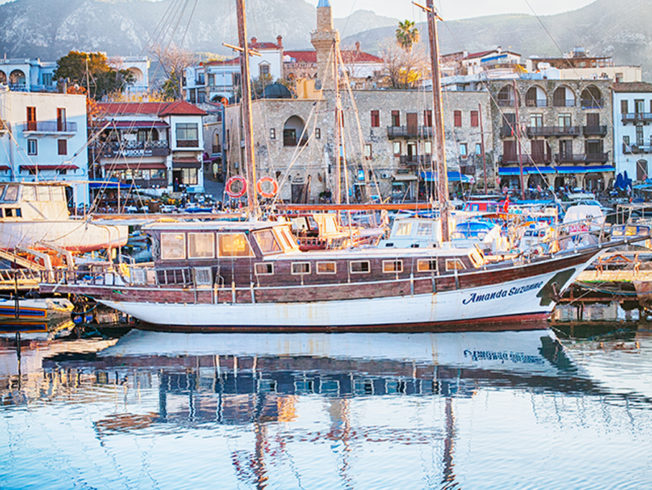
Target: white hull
(69, 234)
(518, 298)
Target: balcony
(525, 159)
(598, 157)
(595, 130)
(394, 132)
(570, 158)
(137, 149)
(187, 143)
(535, 131)
(50, 127)
(507, 131)
(506, 102)
(563, 103)
(292, 141)
(637, 149)
(634, 117)
(536, 102)
(416, 160)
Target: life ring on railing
(228, 187)
(267, 180)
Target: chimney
(279, 41)
(357, 47)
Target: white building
(156, 146)
(43, 137)
(139, 68)
(28, 75)
(216, 80)
(632, 106)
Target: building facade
(562, 135)
(43, 138)
(28, 75)
(632, 116)
(155, 146)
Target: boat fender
(270, 181)
(228, 187)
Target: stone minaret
(326, 41)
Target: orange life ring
(262, 192)
(228, 187)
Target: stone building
(564, 130)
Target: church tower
(326, 41)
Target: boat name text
(503, 293)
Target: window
(31, 118)
(264, 269)
(264, 69)
(233, 245)
(396, 118)
(624, 109)
(454, 265)
(564, 120)
(427, 148)
(10, 193)
(639, 106)
(392, 266)
(404, 229)
(187, 134)
(367, 151)
(359, 267)
(478, 149)
(427, 118)
(424, 229)
(397, 148)
(463, 150)
(639, 136)
(375, 119)
(457, 119)
(62, 147)
(32, 147)
(203, 276)
(173, 246)
(536, 120)
(201, 245)
(61, 119)
(626, 140)
(300, 268)
(267, 242)
(474, 119)
(318, 133)
(43, 194)
(272, 134)
(427, 265)
(326, 267)
(189, 176)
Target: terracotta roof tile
(348, 55)
(633, 87)
(161, 109)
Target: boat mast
(517, 133)
(440, 140)
(247, 119)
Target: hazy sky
(456, 9)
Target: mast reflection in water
(308, 410)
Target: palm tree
(407, 35)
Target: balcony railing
(506, 102)
(563, 102)
(591, 104)
(553, 131)
(507, 131)
(595, 130)
(289, 141)
(525, 159)
(216, 149)
(634, 117)
(394, 132)
(134, 149)
(636, 149)
(50, 127)
(187, 143)
(598, 157)
(415, 160)
(536, 102)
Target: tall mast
(440, 140)
(247, 119)
(517, 133)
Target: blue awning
(110, 184)
(453, 176)
(526, 170)
(585, 170)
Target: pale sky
(457, 9)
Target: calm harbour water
(473, 410)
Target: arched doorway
(3, 78)
(293, 132)
(563, 97)
(594, 182)
(17, 79)
(591, 98)
(507, 97)
(536, 97)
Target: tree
(92, 70)
(407, 35)
(405, 69)
(174, 62)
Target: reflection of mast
(341, 430)
(449, 442)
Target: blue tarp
(526, 170)
(453, 176)
(585, 170)
(555, 170)
(111, 184)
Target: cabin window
(173, 246)
(43, 194)
(454, 265)
(57, 194)
(300, 268)
(359, 267)
(390, 266)
(403, 229)
(13, 213)
(427, 265)
(424, 229)
(285, 238)
(234, 245)
(203, 276)
(10, 194)
(264, 269)
(201, 245)
(326, 267)
(267, 242)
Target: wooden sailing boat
(251, 275)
